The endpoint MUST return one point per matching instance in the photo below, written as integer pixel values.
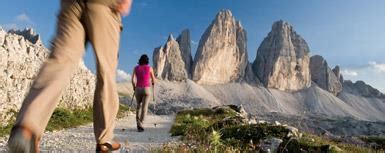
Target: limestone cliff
(22, 54)
(282, 60)
(222, 54)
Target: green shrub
(313, 143)
(379, 141)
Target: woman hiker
(142, 88)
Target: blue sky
(349, 33)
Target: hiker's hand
(124, 7)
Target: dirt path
(82, 138)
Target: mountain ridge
(264, 87)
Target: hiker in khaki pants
(79, 21)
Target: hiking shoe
(22, 140)
(140, 129)
(106, 147)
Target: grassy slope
(64, 118)
(203, 130)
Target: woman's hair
(143, 60)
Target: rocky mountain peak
(223, 41)
(282, 26)
(224, 14)
(184, 42)
(168, 61)
(170, 38)
(337, 72)
(361, 88)
(282, 60)
(323, 76)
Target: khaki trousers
(143, 96)
(78, 23)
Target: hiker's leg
(66, 52)
(103, 31)
(139, 97)
(146, 100)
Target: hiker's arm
(124, 7)
(133, 80)
(152, 76)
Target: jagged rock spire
(282, 60)
(222, 54)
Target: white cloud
(23, 18)
(347, 72)
(20, 21)
(372, 73)
(380, 67)
(122, 76)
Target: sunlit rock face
(323, 76)
(184, 42)
(22, 55)
(282, 60)
(222, 54)
(169, 63)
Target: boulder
(222, 54)
(282, 60)
(270, 144)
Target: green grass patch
(4, 130)
(65, 118)
(378, 140)
(314, 143)
(254, 132)
(222, 130)
(195, 124)
(203, 129)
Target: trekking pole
(153, 96)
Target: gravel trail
(82, 139)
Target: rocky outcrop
(168, 62)
(184, 42)
(29, 35)
(361, 88)
(22, 55)
(222, 54)
(323, 76)
(282, 60)
(250, 76)
(2, 35)
(159, 58)
(337, 72)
